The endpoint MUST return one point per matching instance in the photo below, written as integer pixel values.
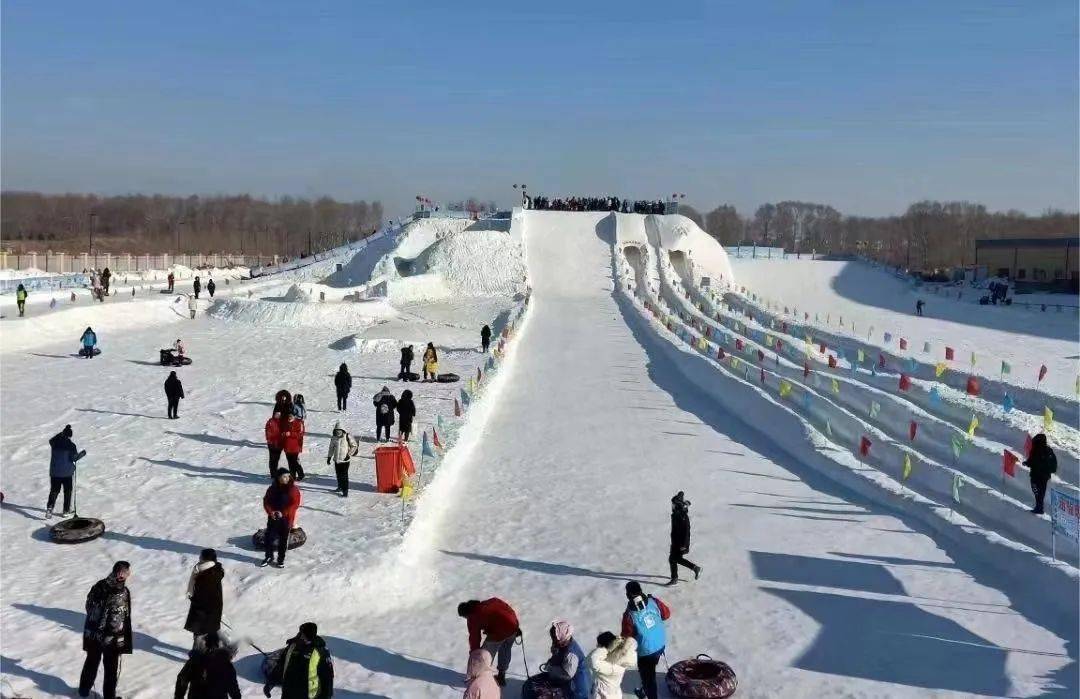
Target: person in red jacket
(281, 502)
(292, 441)
(499, 624)
(273, 442)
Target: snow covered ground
(555, 494)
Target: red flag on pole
(435, 438)
(1008, 463)
(864, 446)
(1042, 372)
(903, 343)
(738, 344)
(1027, 446)
(949, 354)
(779, 345)
(821, 347)
(972, 386)
(805, 369)
(719, 352)
(832, 361)
(760, 356)
(881, 360)
(905, 382)
(912, 429)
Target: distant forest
(929, 235)
(30, 221)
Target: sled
(447, 378)
(297, 538)
(93, 352)
(543, 687)
(168, 357)
(76, 530)
(408, 376)
(701, 678)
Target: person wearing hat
(209, 672)
(204, 591)
(643, 621)
(305, 670)
(680, 538)
(62, 469)
(567, 665)
(281, 502)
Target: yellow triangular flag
(406, 488)
(1048, 419)
(785, 388)
(971, 427)
(907, 466)
(835, 386)
(939, 369)
(862, 356)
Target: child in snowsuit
(406, 410)
(431, 363)
(608, 663)
(89, 342)
(384, 403)
(299, 409)
(480, 677)
(342, 449)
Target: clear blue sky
(864, 105)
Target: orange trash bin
(390, 463)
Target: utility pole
(93, 220)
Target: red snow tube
(701, 678)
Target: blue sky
(865, 105)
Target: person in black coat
(204, 591)
(208, 673)
(680, 538)
(196, 286)
(385, 403)
(343, 384)
(485, 338)
(406, 411)
(1043, 464)
(406, 363)
(107, 632)
(174, 391)
(210, 287)
(292, 671)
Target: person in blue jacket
(567, 664)
(644, 621)
(89, 342)
(62, 469)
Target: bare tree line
(929, 235)
(31, 221)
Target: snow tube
(543, 687)
(408, 376)
(702, 678)
(297, 538)
(76, 530)
(95, 352)
(447, 378)
(166, 357)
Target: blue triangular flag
(465, 397)
(425, 447)
(1007, 404)
(935, 395)
(888, 337)
(912, 365)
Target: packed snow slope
(871, 297)
(560, 494)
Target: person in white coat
(608, 663)
(342, 449)
(192, 306)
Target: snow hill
(824, 574)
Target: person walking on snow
(281, 501)
(89, 342)
(62, 460)
(643, 621)
(107, 631)
(342, 449)
(1043, 464)
(608, 663)
(204, 591)
(919, 306)
(20, 299)
(480, 677)
(196, 286)
(292, 443)
(210, 286)
(208, 672)
(680, 538)
(567, 662)
(342, 384)
(299, 408)
(305, 670)
(485, 338)
(431, 363)
(406, 363)
(385, 403)
(106, 279)
(499, 624)
(172, 282)
(174, 391)
(406, 411)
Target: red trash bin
(390, 463)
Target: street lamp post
(93, 220)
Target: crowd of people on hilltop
(625, 206)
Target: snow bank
(341, 316)
(683, 240)
(107, 319)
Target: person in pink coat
(480, 677)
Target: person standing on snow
(89, 342)
(342, 449)
(107, 631)
(204, 591)
(196, 286)
(178, 347)
(172, 282)
(192, 305)
(499, 624)
(210, 286)
(273, 441)
(281, 502)
(292, 442)
(62, 469)
(431, 363)
(480, 677)
(305, 670)
(919, 307)
(342, 384)
(643, 621)
(567, 662)
(208, 673)
(406, 363)
(299, 409)
(406, 411)
(106, 279)
(1043, 464)
(174, 391)
(680, 538)
(385, 403)
(20, 299)
(608, 663)
(485, 338)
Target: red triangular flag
(903, 343)
(779, 345)
(864, 446)
(821, 347)
(912, 429)
(1042, 372)
(949, 354)
(972, 386)
(1027, 446)
(832, 361)
(457, 408)
(881, 361)
(760, 356)
(719, 352)
(905, 382)
(435, 438)
(805, 369)
(738, 344)
(1008, 462)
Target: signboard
(1065, 513)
